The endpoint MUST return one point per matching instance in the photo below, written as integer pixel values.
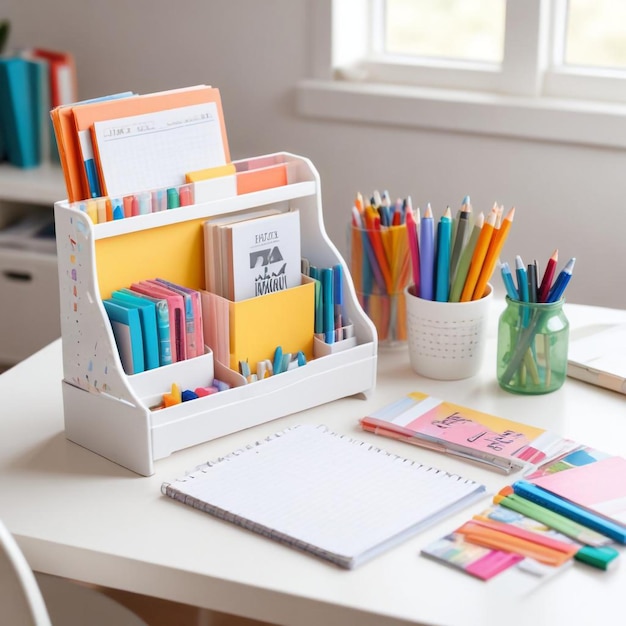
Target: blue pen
(570, 510)
(328, 304)
(556, 292)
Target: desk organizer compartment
(111, 413)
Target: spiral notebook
(333, 496)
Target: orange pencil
(493, 252)
(482, 245)
(379, 250)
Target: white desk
(78, 515)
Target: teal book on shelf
(22, 82)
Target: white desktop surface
(78, 515)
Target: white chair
(26, 600)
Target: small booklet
(599, 357)
(432, 423)
(329, 495)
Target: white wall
(567, 196)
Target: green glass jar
(532, 347)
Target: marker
(185, 195)
(144, 203)
(173, 201)
(128, 206)
(117, 209)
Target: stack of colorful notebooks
(570, 504)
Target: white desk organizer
(108, 411)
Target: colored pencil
(466, 258)
(548, 275)
(482, 245)
(414, 251)
(460, 237)
(561, 282)
(493, 252)
(444, 234)
(427, 254)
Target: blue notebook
(148, 319)
(126, 327)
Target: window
(574, 48)
(551, 70)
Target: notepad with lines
(336, 497)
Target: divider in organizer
(257, 326)
(111, 413)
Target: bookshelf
(110, 412)
(28, 278)
(42, 185)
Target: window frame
(534, 98)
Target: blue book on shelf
(20, 109)
(126, 327)
(148, 319)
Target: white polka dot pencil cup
(447, 339)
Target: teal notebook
(126, 327)
(148, 319)
(163, 324)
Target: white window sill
(545, 119)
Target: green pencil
(554, 520)
(465, 260)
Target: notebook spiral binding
(204, 467)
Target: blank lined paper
(155, 150)
(341, 499)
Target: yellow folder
(284, 318)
